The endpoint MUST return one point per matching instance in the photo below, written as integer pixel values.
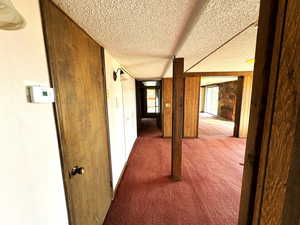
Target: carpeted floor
(212, 126)
(208, 195)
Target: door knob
(77, 170)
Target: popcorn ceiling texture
(233, 56)
(142, 34)
(220, 21)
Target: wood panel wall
(245, 108)
(238, 107)
(191, 109)
(281, 185)
(167, 93)
(191, 106)
(271, 184)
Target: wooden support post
(271, 184)
(238, 107)
(177, 121)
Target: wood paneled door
(76, 66)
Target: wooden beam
(238, 107)
(281, 181)
(177, 117)
(271, 185)
(223, 74)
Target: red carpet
(149, 128)
(208, 195)
(211, 126)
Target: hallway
(208, 195)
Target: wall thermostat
(41, 94)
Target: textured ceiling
(233, 56)
(143, 35)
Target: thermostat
(41, 94)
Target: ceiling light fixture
(10, 18)
(250, 61)
(115, 73)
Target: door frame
(239, 98)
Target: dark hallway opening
(149, 128)
(148, 96)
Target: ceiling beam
(215, 74)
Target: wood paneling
(76, 64)
(215, 74)
(138, 106)
(167, 91)
(270, 194)
(281, 195)
(269, 14)
(245, 107)
(191, 106)
(238, 107)
(177, 117)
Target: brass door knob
(77, 170)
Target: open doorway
(148, 108)
(219, 106)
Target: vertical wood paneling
(246, 102)
(266, 59)
(275, 125)
(191, 106)
(280, 202)
(76, 64)
(167, 106)
(238, 107)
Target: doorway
(211, 100)
(148, 108)
(219, 106)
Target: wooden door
(76, 66)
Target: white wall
(122, 116)
(31, 187)
(129, 108)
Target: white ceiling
(233, 56)
(216, 80)
(143, 35)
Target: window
(152, 100)
(212, 100)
